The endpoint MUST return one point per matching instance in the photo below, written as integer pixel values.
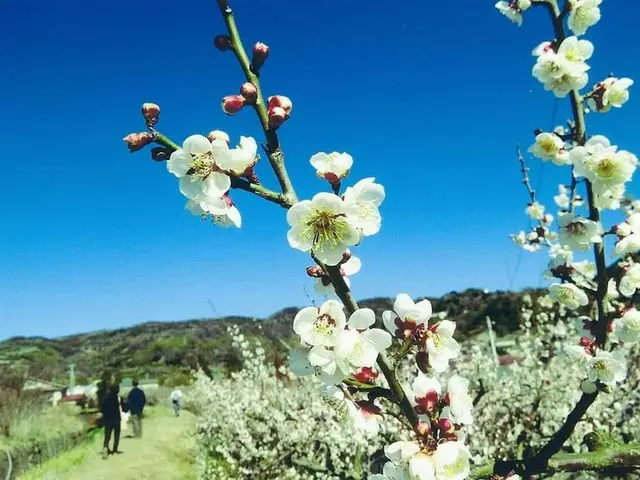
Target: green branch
(274, 152)
(614, 460)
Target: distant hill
(165, 350)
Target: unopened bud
(136, 141)
(280, 101)
(232, 104)
(423, 428)
(218, 135)
(422, 360)
(222, 43)
(445, 425)
(346, 256)
(315, 272)
(150, 112)
(277, 116)
(260, 54)
(249, 91)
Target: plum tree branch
(274, 152)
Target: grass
(42, 425)
(167, 450)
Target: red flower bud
(222, 43)
(232, 104)
(136, 141)
(277, 116)
(446, 426)
(422, 360)
(218, 135)
(260, 54)
(150, 112)
(249, 91)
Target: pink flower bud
(136, 141)
(218, 135)
(446, 426)
(232, 104)
(260, 54)
(423, 428)
(277, 116)
(280, 101)
(222, 42)
(249, 91)
(150, 112)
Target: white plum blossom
(583, 14)
(606, 367)
(578, 233)
(322, 227)
(363, 415)
(425, 392)
(359, 345)
(238, 161)
(569, 295)
(197, 168)
(629, 230)
(452, 461)
(630, 281)
(361, 205)
(549, 146)
(564, 70)
(406, 316)
(535, 211)
(616, 93)
(441, 346)
(513, 9)
(627, 327)
(612, 92)
(332, 166)
(602, 164)
(460, 402)
(321, 326)
(222, 210)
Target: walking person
(136, 400)
(110, 407)
(176, 396)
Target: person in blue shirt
(136, 401)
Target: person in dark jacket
(136, 401)
(110, 407)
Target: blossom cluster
(342, 353)
(264, 422)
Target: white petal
(362, 318)
(379, 338)
(179, 163)
(216, 184)
(197, 144)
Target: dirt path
(166, 451)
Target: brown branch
(343, 292)
(540, 461)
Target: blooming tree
(345, 347)
(601, 348)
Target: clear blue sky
(428, 97)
